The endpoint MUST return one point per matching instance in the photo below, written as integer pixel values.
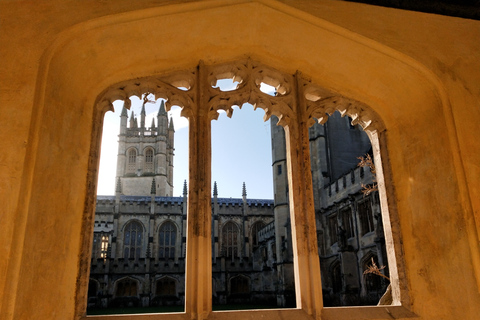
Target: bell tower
(145, 153)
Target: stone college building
(139, 243)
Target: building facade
(139, 242)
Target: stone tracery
(178, 88)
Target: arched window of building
(167, 236)
(230, 234)
(373, 282)
(100, 245)
(239, 285)
(336, 278)
(92, 288)
(148, 166)
(131, 160)
(257, 226)
(366, 216)
(166, 287)
(132, 240)
(347, 221)
(126, 287)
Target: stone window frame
(138, 249)
(230, 240)
(256, 227)
(148, 166)
(367, 222)
(170, 246)
(131, 166)
(163, 280)
(130, 281)
(298, 104)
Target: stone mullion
(306, 262)
(198, 293)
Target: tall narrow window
(166, 240)
(347, 222)
(148, 167)
(257, 226)
(133, 238)
(366, 216)
(132, 161)
(230, 234)
(333, 226)
(100, 245)
(336, 278)
(343, 209)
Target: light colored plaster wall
(47, 93)
(448, 46)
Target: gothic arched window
(166, 240)
(166, 287)
(126, 288)
(336, 278)
(132, 160)
(373, 282)
(257, 226)
(230, 234)
(132, 240)
(239, 284)
(100, 245)
(148, 160)
(366, 216)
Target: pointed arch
(126, 287)
(239, 284)
(148, 166)
(133, 239)
(230, 240)
(131, 163)
(167, 240)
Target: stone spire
(152, 127)
(118, 187)
(124, 119)
(132, 120)
(161, 110)
(185, 189)
(162, 119)
(124, 109)
(170, 125)
(142, 116)
(215, 191)
(153, 190)
(244, 192)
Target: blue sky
(241, 150)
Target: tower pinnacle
(154, 187)
(185, 190)
(215, 191)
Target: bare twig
(374, 269)
(367, 161)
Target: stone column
(306, 262)
(198, 296)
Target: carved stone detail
(178, 89)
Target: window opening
(149, 161)
(140, 196)
(345, 212)
(366, 217)
(167, 240)
(166, 287)
(252, 257)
